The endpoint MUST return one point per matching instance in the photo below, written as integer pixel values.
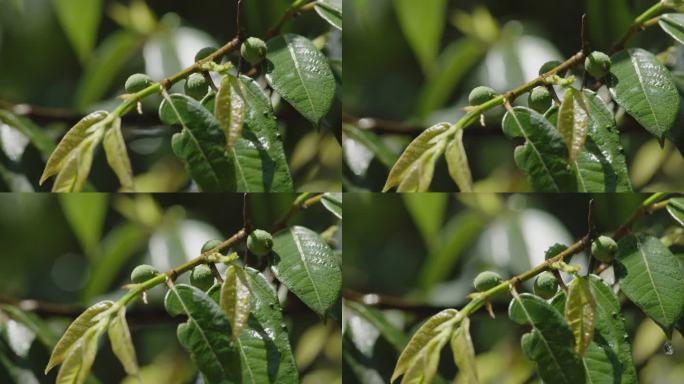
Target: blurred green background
(422, 252)
(407, 84)
(75, 249)
(42, 66)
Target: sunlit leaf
(122, 343)
(236, 298)
(464, 353)
(676, 209)
(573, 122)
(76, 366)
(457, 161)
(332, 201)
(580, 312)
(673, 25)
(230, 108)
(331, 11)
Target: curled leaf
(573, 122)
(230, 108)
(236, 298)
(580, 312)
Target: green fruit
(545, 285)
(481, 95)
(259, 242)
(204, 53)
(486, 280)
(548, 66)
(597, 64)
(604, 249)
(211, 244)
(202, 277)
(540, 99)
(137, 82)
(196, 86)
(142, 273)
(253, 50)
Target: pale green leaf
(73, 176)
(427, 211)
(78, 362)
(85, 213)
(573, 122)
(673, 25)
(236, 298)
(117, 157)
(676, 209)
(331, 11)
(457, 161)
(122, 343)
(230, 108)
(422, 23)
(580, 312)
(464, 352)
(80, 20)
(332, 201)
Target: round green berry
(486, 280)
(545, 285)
(202, 277)
(253, 50)
(549, 65)
(597, 64)
(604, 249)
(259, 242)
(540, 99)
(137, 82)
(142, 273)
(481, 95)
(211, 244)
(204, 53)
(196, 86)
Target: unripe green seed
(202, 277)
(540, 99)
(259, 242)
(142, 273)
(481, 95)
(545, 285)
(597, 64)
(486, 280)
(549, 65)
(604, 249)
(137, 82)
(211, 244)
(253, 50)
(196, 86)
(204, 53)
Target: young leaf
(549, 344)
(573, 122)
(122, 344)
(80, 20)
(332, 201)
(420, 351)
(73, 176)
(75, 332)
(117, 157)
(422, 24)
(301, 75)
(644, 88)
(650, 276)
(205, 334)
(236, 298)
(201, 144)
(416, 163)
(70, 143)
(676, 209)
(78, 362)
(464, 353)
(673, 25)
(580, 312)
(308, 267)
(230, 108)
(543, 157)
(457, 162)
(331, 11)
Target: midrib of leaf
(641, 85)
(204, 337)
(299, 73)
(242, 353)
(534, 147)
(580, 177)
(306, 267)
(586, 369)
(650, 277)
(239, 168)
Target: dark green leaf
(307, 266)
(331, 11)
(80, 20)
(230, 108)
(236, 298)
(599, 365)
(650, 276)
(457, 162)
(301, 75)
(117, 157)
(676, 209)
(580, 312)
(673, 25)
(332, 201)
(543, 157)
(122, 343)
(573, 122)
(644, 88)
(549, 344)
(422, 24)
(464, 353)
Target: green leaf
(205, 334)
(543, 156)
(573, 122)
(78, 362)
(75, 333)
(645, 89)
(610, 326)
(389, 331)
(330, 11)
(580, 312)
(236, 298)
(673, 25)
(36, 135)
(117, 157)
(122, 344)
(650, 276)
(308, 267)
(427, 212)
(549, 344)
(301, 75)
(230, 108)
(85, 214)
(599, 365)
(464, 353)
(457, 161)
(201, 144)
(676, 209)
(422, 23)
(415, 167)
(332, 201)
(73, 176)
(601, 165)
(370, 141)
(80, 20)
(421, 355)
(71, 142)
